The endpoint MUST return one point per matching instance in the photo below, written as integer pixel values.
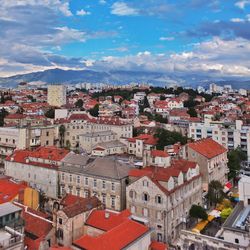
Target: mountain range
(116, 77)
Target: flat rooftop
(8, 208)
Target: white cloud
(237, 20)
(102, 2)
(242, 4)
(83, 12)
(122, 9)
(168, 38)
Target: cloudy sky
(209, 37)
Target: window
(236, 241)
(158, 199)
(86, 181)
(104, 199)
(145, 183)
(113, 186)
(103, 184)
(60, 233)
(95, 183)
(47, 133)
(78, 179)
(60, 221)
(145, 197)
(145, 212)
(159, 215)
(70, 177)
(113, 201)
(78, 191)
(62, 176)
(86, 194)
(159, 237)
(132, 194)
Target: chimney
(107, 215)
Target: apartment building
(11, 227)
(139, 144)
(161, 197)
(70, 218)
(39, 168)
(104, 178)
(56, 95)
(109, 230)
(230, 135)
(27, 137)
(89, 140)
(212, 159)
(81, 123)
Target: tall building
(56, 95)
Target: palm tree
(61, 134)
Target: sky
(179, 37)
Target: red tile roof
(147, 139)
(81, 205)
(159, 153)
(70, 199)
(98, 220)
(158, 174)
(9, 190)
(155, 245)
(36, 225)
(115, 239)
(207, 147)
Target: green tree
(198, 212)
(192, 112)
(61, 134)
(226, 212)
(235, 158)
(79, 103)
(94, 111)
(3, 114)
(215, 192)
(160, 118)
(50, 113)
(68, 145)
(166, 137)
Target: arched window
(145, 197)
(158, 199)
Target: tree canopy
(79, 103)
(94, 111)
(166, 137)
(215, 192)
(197, 211)
(235, 157)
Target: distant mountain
(116, 77)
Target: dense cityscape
(125, 167)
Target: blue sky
(174, 37)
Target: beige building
(104, 178)
(39, 168)
(82, 123)
(162, 197)
(212, 159)
(26, 137)
(56, 95)
(108, 230)
(89, 140)
(70, 218)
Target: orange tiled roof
(9, 190)
(98, 220)
(159, 153)
(207, 147)
(115, 239)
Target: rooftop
(207, 147)
(8, 208)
